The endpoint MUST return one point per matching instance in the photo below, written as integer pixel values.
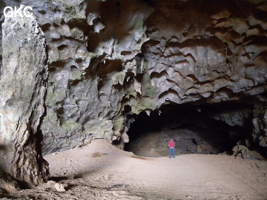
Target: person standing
(171, 145)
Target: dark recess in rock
(194, 127)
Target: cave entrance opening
(204, 129)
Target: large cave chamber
(221, 128)
(135, 73)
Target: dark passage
(206, 129)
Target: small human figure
(171, 145)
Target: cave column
(22, 92)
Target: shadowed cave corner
(197, 129)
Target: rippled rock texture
(111, 60)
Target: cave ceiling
(108, 60)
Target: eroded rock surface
(22, 93)
(111, 60)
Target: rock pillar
(22, 92)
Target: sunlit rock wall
(23, 83)
(109, 59)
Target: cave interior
(196, 128)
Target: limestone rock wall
(93, 52)
(22, 95)
(111, 59)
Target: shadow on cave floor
(57, 178)
(205, 129)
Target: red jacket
(171, 144)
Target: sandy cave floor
(101, 171)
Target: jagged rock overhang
(108, 56)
